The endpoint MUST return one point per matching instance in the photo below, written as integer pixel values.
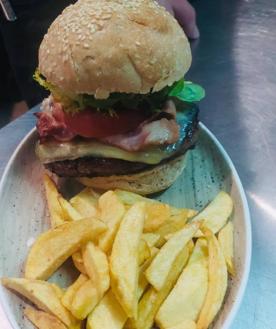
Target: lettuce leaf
(184, 91)
(187, 91)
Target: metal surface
(8, 10)
(235, 60)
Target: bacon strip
(51, 122)
(160, 129)
(159, 132)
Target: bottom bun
(146, 182)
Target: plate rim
(247, 219)
(248, 230)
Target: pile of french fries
(142, 263)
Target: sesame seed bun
(146, 182)
(103, 46)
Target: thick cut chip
(107, 314)
(175, 223)
(152, 299)
(156, 214)
(42, 294)
(56, 212)
(217, 284)
(70, 292)
(86, 202)
(111, 211)
(124, 265)
(186, 324)
(183, 212)
(89, 294)
(226, 240)
(187, 297)
(97, 268)
(144, 252)
(78, 262)
(53, 247)
(191, 246)
(59, 291)
(151, 239)
(142, 281)
(85, 300)
(216, 214)
(142, 285)
(159, 269)
(43, 320)
(130, 198)
(69, 211)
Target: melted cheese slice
(53, 151)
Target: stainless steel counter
(235, 60)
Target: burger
(119, 114)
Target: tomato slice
(91, 123)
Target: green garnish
(70, 102)
(185, 91)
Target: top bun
(103, 46)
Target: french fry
(89, 294)
(43, 295)
(177, 219)
(217, 285)
(69, 211)
(43, 320)
(191, 246)
(126, 281)
(124, 259)
(151, 238)
(112, 211)
(142, 281)
(187, 297)
(78, 262)
(107, 314)
(85, 300)
(152, 299)
(86, 203)
(225, 238)
(159, 269)
(183, 213)
(144, 252)
(216, 214)
(130, 198)
(96, 265)
(156, 214)
(53, 247)
(142, 285)
(186, 324)
(56, 213)
(153, 252)
(70, 292)
(59, 291)
(175, 223)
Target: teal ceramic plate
(24, 215)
